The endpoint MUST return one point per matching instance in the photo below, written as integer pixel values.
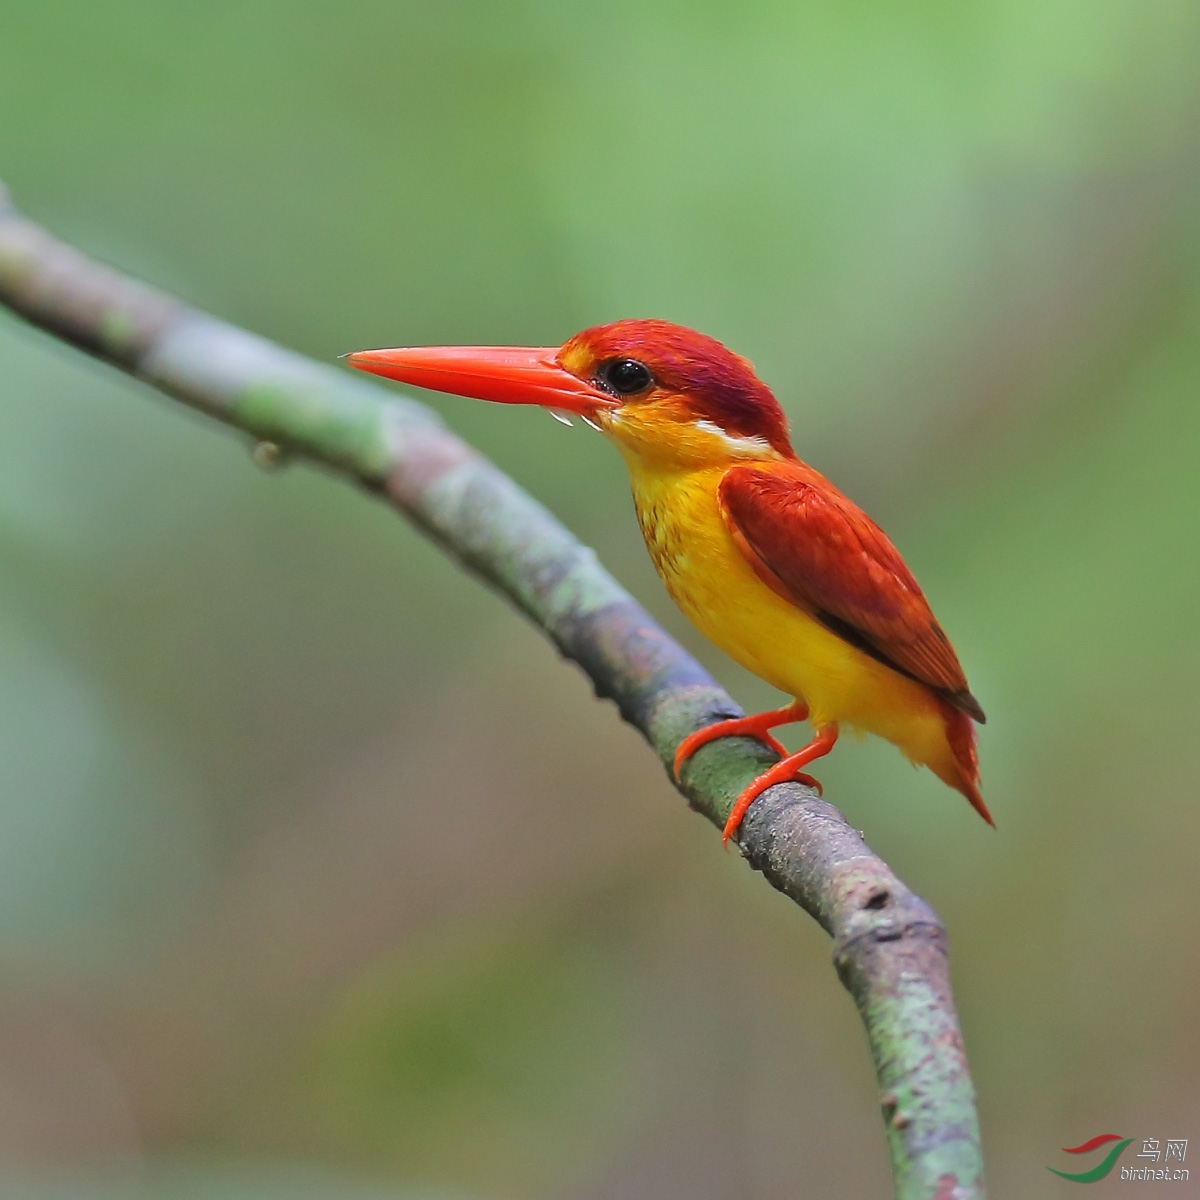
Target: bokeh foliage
(317, 870)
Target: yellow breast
(714, 585)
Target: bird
(762, 553)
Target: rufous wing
(820, 551)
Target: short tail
(960, 733)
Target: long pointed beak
(508, 374)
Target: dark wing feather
(820, 551)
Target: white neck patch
(748, 447)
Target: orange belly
(718, 591)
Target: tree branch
(889, 945)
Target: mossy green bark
(889, 946)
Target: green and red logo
(1101, 1168)
(1153, 1151)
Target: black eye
(625, 376)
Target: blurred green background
(320, 875)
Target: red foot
(783, 771)
(757, 726)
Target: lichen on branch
(889, 945)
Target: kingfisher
(766, 557)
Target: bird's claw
(758, 726)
